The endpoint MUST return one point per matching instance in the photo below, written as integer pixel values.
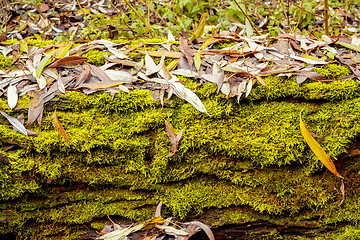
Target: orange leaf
(59, 128)
(68, 62)
(317, 149)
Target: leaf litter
(156, 229)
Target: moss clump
(245, 162)
(333, 71)
(310, 90)
(96, 57)
(348, 233)
(5, 63)
(223, 44)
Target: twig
(297, 24)
(152, 9)
(141, 18)
(247, 17)
(326, 17)
(300, 7)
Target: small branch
(326, 17)
(247, 17)
(141, 18)
(300, 7)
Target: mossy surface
(244, 163)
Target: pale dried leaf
(61, 85)
(117, 75)
(149, 64)
(158, 210)
(36, 107)
(12, 96)
(172, 231)
(204, 227)
(83, 76)
(40, 80)
(124, 89)
(186, 94)
(248, 88)
(100, 74)
(308, 60)
(16, 123)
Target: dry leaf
(12, 96)
(16, 123)
(186, 94)
(204, 227)
(197, 60)
(36, 107)
(342, 190)
(174, 139)
(163, 53)
(68, 62)
(317, 149)
(186, 50)
(83, 76)
(59, 128)
(100, 74)
(158, 210)
(61, 84)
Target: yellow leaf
(101, 85)
(317, 149)
(207, 43)
(200, 27)
(43, 63)
(172, 65)
(59, 128)
(163, 53)
(197, 60)
(23, 46)
(62, 51)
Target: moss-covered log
(245, 167)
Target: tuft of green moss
(5, 63)
(333, 71)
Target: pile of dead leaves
(157, 228)
(56, 69)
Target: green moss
(96, 57)
(348, 233)
(333, 71)
(311, 90)
(122, 102)
(223, 44)
(5, 63)
(38, 43)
